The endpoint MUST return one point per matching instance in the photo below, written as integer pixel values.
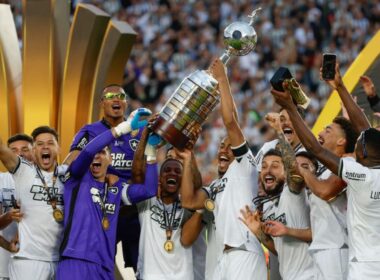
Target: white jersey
(199, 248)
(7, 189)
(215, 246)
(39, 234)
(272, 145)
(154, 262)
(363, 210)
(328, 220)
(293, 211)
(232, 192)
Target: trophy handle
(253, 15)
(225, 57)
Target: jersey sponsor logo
(113, 190)
(119, 161)
(272, 217)
(157, 215)
(356, 176)
(41, 195)
(118, 143)
(375, 195)
(97, 199)
(133, 143)
(82, 143)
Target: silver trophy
(197, 95)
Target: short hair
(350, 133)
(113, 85)
(372, 141)
(44, 129)
(272, 152)
(167, 160)
(309, 156)
(300, 110)
(20, 137)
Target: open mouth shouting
(171, 182)
(288, 132)
(269, 181)
(96, 166)
(224, 160)
(116, 107)
(45, 157)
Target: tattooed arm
(294, 179)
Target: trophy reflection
(197, 95)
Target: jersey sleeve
(244, 158)
(354, 174)
(81, 139)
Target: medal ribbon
(169, 220)
(52, 197)
(103, 200)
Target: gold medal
(105, 223)
(169, 246)
(58, 215)
(209, 205)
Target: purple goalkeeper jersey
(84, 236)
(122, 148)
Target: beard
(277, 188)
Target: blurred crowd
(178, 37)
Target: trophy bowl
(194, 99)
(240, 38)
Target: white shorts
(363, 270)
(331, 264)
(238, 264)
(25, 269)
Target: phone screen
(328, 66)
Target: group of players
(313, 203)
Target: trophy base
(170, 133)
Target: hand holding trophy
(197, 95)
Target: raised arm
(80, 165)
(326, 189)
(138, 164)
(139, 192)
(357, 116)
(191, 198)
(191, 229)
(227, 104)
(8, 158)
(330, 160)
(294, 179)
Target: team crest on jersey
(133, 143)
(157, 215)
(134, 132)
(113, 190)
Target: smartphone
(14, 202)
(328, 66)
